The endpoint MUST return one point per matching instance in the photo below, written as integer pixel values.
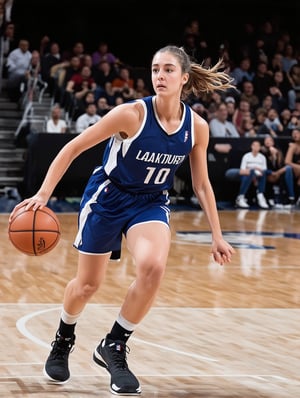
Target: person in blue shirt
(127, 196)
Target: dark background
(135, 29)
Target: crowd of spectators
(264, 66)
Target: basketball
(34, 232)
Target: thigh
(92, 268)
(149, 241)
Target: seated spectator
(242, 72)
(87, 119)
(219, 126)
(289, 57)
(247, 94)
(80, 83)
(253, 170)
(247, 127)
(82, 103)
(292, 158)
(18, 62)
(77, 87)
(32, 84)
(273, 123)
(123, 84)
(190, 46)
(242, 112)
(140, 88)
(109, 94)
(103, 54)
(102, 106)
(8, 44)
(56, 124)
(287, 121)
(279, 91)
(262, 80)
(119, 100)
(61, 74)
(294, 92)
(293, 123)
(199, 108)
(280, 190)
(259, 122)
(78, 50)
(267, 102)
(48, 60)
(231, 107)
(104, 72)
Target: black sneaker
(111, 355)
(56, 366)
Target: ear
(185, 78)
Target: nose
(160, 75)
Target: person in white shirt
(17, 63)
(88, 118)
(55, 124)
(253, 169)
(219, 126)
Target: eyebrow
(164, 64)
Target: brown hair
(201, 80)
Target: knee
(151, 273)
(87, 290)
(233, 174)
(288, 169)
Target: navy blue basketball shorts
(106, 214)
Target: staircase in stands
(11, 158)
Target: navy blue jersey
(147, 161)
(131, 187)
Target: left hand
(222, 251)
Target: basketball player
(128, 195)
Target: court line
(21, 326)
(263, 377)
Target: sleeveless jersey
(148, 161)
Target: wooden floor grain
(214, 332)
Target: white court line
(163, 308)
(187, 354)
(162, 376)
(21, 326)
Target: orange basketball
(34, 232)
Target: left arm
(221, 250)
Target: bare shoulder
(128, 109)
(292, 145)
(201, 129)
(126, 117)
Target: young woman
(128, 195)
(280, 176)
(292, 159)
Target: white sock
(69, 319)
(126, 324)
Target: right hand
(35, 202)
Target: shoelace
(119, 356)
(61, 349)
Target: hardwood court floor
(214, 332)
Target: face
(255, 146)
(167, 77)
(269, 141)
(296, 135)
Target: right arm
(289, 158)
(125, 118)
